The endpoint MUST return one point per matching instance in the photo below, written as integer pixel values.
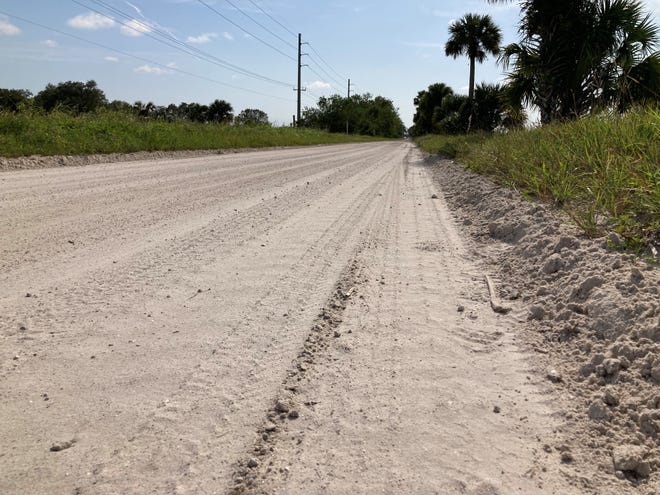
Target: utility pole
(300, 89)
(349, 96)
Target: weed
(603, 170)
(59, 133)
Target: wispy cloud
(134, 28)
(319, 85)
(111, 59)
(136, 9)
(91, 21)
(228, 36)
(50, 43)
(150, 69)
(202, 38)
(7, 28)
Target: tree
(220, 111)
(476, 36)
(359, 114)
(579, 56)
(144, 110)
(428, 104)
(252, 116)
(120, 106)
(12, 100)
(73, 96)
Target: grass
(603, 170)
(56, 133)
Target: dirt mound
(39, 161)
(594, 316)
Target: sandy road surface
(152, 313)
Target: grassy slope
(605, 170)
(112, 132)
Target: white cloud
(91, 21)
(150, 69)
(7, 28)
(49, 43)
(202, 38)
(111, 59)
(136, 9)
(135, 28)
(227, 36)
(319, 85)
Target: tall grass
(56, 133)
(604, 170)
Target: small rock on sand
(630, 459)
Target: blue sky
(388, 48)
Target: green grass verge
(603, 170)
(32, 133)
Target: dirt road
(293, 321)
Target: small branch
(494, 301)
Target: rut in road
(408, 382)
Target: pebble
(58, 446)
(630, 458)
(281, 406)
(497, 409)
(252, 463)
(598, 411)
(293, 414)
(536, 313)
(554, 376)
(553, 264)
(610, 397)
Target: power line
(320, 76)
(171, 41)
(245, 30)
(326, 63)
(259, 24)
(142, 59)
(324, 71)
(273, 18)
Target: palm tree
(577, 56)
(476, 36)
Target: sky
(244, 51)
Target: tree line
(574, 58)
(358, 114)
(78, 97)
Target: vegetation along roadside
(75, 118)
(602, 170)
(595, 151)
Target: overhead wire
(171, 41)
(143, 59)
(259, 24)
(272, 18)
(326, 63)
(321, 77)
(245, 30)
(324, 71)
